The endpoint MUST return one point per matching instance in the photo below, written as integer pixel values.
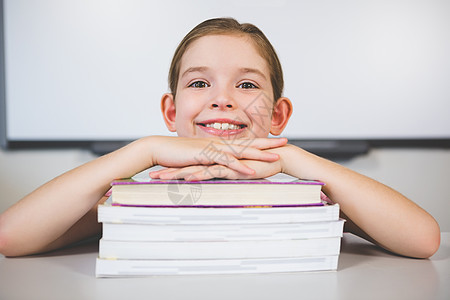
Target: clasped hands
(203, 159)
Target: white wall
(422, 175)
(348, 62)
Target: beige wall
(423, 175)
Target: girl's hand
(179, 152)
(194, 173)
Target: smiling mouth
(222, 125)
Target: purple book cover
(220, 206)
(132, 181)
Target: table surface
(364, 272)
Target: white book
(108, 213)
(125, 268)
(221, 232)
(219, 250)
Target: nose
(223, 101)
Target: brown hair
(230, 26)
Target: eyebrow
(194, 69)
(254, 71)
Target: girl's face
(224, 90)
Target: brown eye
(247, 85)
(198, 84)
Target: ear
(282, 111)
(168, 110)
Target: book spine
(191, 233)
(219, 250)
(186, 216)
(122, 268)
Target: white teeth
(223, 126)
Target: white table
(365, 272)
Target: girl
(226, 97)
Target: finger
(252, 153)
(156, 174)
(210, 172)
(259, 143)
(267, 143)
(196, 173)
(218, 171)
(181, 173)
(233, 163)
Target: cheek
(182, 117)
(187, 109)
(185, 116)
(260, 112)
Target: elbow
(7, 248)
(432, 246)
(428, 242)
(419, 241)
(8, 245)
(4, 249)
(3, 238)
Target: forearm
(387, 217)
(85, 228)
(49, 212)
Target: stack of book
(278, 224)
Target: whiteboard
(94, 70)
